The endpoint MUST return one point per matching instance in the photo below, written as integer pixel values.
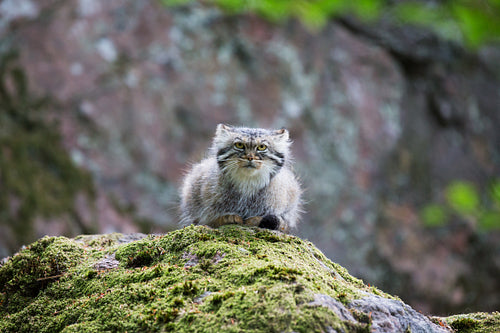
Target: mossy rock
(196, 279)
(480, 322)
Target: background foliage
(464, 200)
(472, 22)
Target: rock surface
(276, 285)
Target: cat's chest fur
(233, 201)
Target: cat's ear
(282, 134)
(223, 129)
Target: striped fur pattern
(245, 179)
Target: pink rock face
(378, 129)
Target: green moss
(28, 273)
(475, 322)
(464, 324)
(192, 280)
(239, 279)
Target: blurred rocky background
(396, 128)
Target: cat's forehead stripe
(252, 132)
(252, 141)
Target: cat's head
(252, 155)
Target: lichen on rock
(196, 279)
(38, 179)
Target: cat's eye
(239, 145)
(261, 147)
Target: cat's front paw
(226, 219)
(270, 222)
(253, 221)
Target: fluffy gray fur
(246, 178)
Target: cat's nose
(250, 157)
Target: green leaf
(367, 9)
(233, 6)
(438, 18)
(332, 7)
(175, 2)
(462, 197)
(311, 15)
(475, 24)
(413, 12)
(434, 215)
(275, 11)
(495, 192)
(490, 220)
